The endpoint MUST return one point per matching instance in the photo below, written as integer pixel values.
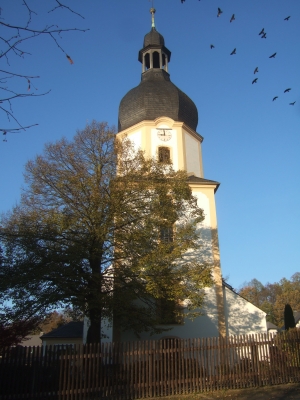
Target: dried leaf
(70, 59)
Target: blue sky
(251, 143)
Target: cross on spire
(152, 11)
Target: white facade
(241, 316)
(224, 312)
(145, 118)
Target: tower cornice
(163, 119)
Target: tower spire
(153, 11)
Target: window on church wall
(167, 234)
(163, 61)
(156, 63)
(168, 218)
(147, 60)
(164, 155)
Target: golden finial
(152, 11)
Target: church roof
(154, 38)
(202, 181)
(156, 96)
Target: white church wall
(205, 325)
(193, 156)
(106, 330)
(205, 251)
(185, 151)
(136, 139)
(172, 144)
(203, 202)
(241, 316)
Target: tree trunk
(94, 331)
(94, 301)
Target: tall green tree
(289, 320)
(273, 297)
(88, 232)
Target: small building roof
(270, 326)
(73, 329)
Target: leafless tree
(13, 38)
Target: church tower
(162, 120)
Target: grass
(278, 392)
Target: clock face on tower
(164, 134)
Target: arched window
(164, 154)
(156, 63)
(147, 60)
(163, 61)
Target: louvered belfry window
(163, 154)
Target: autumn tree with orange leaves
(273, 297)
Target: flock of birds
(263, 35)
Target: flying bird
(287, 90)
(273, 55)
(264, 36)
(287, 18)
(219, 11)
(233, 52)
(256, 70)
(254, 80)
(232, 18)
(291, 104)
(212, 46)
(262, 31)
(274, 98)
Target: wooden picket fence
(134, 370)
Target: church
(162, 120)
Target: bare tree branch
(60, 5)
(12, 37)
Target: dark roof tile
(71, 330)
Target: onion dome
(156, 96)
(153, 38)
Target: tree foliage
(89, 237)
(15, 35)
(273, 297)
(13, 329)
(58, 318)
(13, 333)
